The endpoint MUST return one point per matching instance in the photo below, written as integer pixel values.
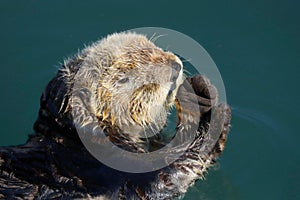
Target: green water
(255, 44)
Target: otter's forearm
(192, 165)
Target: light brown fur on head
(131, 82)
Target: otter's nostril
(175, 65)
(174, 77)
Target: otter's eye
(123, 80)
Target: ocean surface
(255, 45)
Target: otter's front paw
(197, 91)
(207, 94)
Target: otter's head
(133, 83)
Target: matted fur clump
(124, 85)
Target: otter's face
(139, 84)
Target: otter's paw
(196, 96)
(207, 94)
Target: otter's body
(125, 86)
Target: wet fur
(54, 164)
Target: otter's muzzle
(175, 72)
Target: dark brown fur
(54, 164)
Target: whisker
(158, 36)
(152, 37)
(186, 73)
(186, 60)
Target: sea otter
(124, 86)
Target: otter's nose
(175, 65)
